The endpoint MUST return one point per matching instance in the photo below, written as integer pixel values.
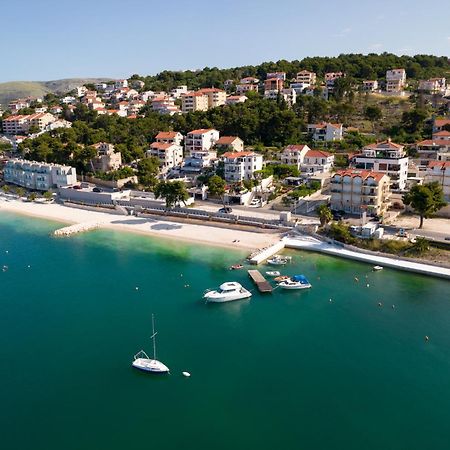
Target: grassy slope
(17, 89)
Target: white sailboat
(143, 362)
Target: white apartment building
(433, 85)
(169, 137)
(385, 157)
(294, 155)
(234, 99)
(395, 80)
(330, 79)
(19, 124)
(325, 132)
(119, 84)
(370, 85)
(164, 105)
(306, 77)
(316, 161)
(169, 154)
(289, 95)
(106, 159)
(439, 171)
(358, 191)
(241, 166)
(246, 87)
(200, 140)
(37, 175)
(178, 91)
(194, 101)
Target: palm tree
(20, 191)
(325, 214)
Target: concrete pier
(310, 243)
(261, 255)
(77, 228)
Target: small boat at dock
(278, 260)
(273, 273)
(236, 267)
(377, 268)
(295, 282)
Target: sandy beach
(202, 234)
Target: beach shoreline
(208, 235)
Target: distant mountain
(18, 89)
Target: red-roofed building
(443, 135)
(194, 101)
(201, 140)
(355, 191)
(216, 97)
(169, 154)
(439, 124)
(325, 132)
(233, 99)
(440, 171)
(317, 161)
(294, 155)
(230, 143)
(240, 166)
(169, 137)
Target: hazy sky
(52, 39)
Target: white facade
(241, 166)
(325, 132)
(19, 124)
(169, 137)
(306, 77)
(201, 140)
(294, 155)
(38, 176)
(317, 161)
(385, 157)
(440, 171)
(395, 80)
(169, 155)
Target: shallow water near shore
(287, 370)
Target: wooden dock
(261, 283)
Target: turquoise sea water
(290, 370)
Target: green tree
(373, 113)
(425, 199)
(32, 196)
(325, 214)
(147, 170)
(216, 186)
(6, 188)
(48, 195)
(20, 191)
(172, 191)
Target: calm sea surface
(290, 370)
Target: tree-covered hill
(372, 66)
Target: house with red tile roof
(240, 166)
(230, 144)
(385, 157)
(169, 154)
(325, 132)
(439, 124)
(201, 140)
(169, 137)
(440, 171)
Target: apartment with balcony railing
(385, 157)
(200, 140)
(355, 191)
(37, 175)
(241, 166)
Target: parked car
(97, 189)
(77, 187)
(255, 203)
(226, 210)
(402, 233)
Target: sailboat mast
(154, 336)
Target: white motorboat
(227, 292)
(295, 282)
(273, 273)
(278, 260)
(143, 362)
(377, 268)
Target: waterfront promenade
(313, 244)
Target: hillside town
(361, 174)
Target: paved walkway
(310, 243)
